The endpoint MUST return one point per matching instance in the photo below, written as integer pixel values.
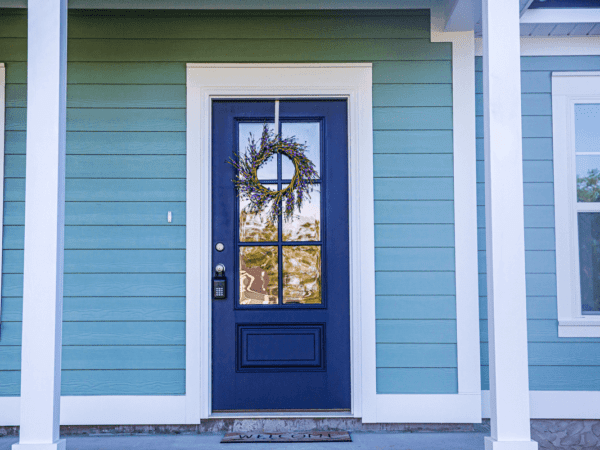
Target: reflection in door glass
(268, 171)
(305, 225)
(302, 274)
(306, 133)
(259, 275)
(256, 227)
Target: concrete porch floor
(360, 440)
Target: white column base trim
(58, 445)
(491, 444)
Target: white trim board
(553, 46)
(465, 203)
(561, 15)
(351, 81)
(556, 404)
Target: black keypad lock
(219, 288)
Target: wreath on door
(262, 199)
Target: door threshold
(281, 414)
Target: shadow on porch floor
(360, 440)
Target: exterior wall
(563, 364)
(124, 313)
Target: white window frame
(568, 89)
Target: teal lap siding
(124, 306)
(565, 364)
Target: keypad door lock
(219, 283)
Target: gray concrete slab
(360, 440)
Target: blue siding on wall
(555, 363)
(125, 266)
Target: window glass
(589, 262)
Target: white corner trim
(556, 404)
(352, 81)
(561, 15)
(568, 89)
(465, 203)
(553, 46)
(108, 410)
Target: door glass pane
(268, 171)
(256, 227)
(587, 129)
(302, 274)
(589, 262)
(305, 225)
(588, 178)
(308, 133)
(259, 275)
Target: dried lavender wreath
(259, 196)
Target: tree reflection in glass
(302, 274)
(256, 227)
(259, 275)
(306, 224)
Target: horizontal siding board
(126, 143)
(412, 95)
(558, 354)
(102, 309)
(123, 382)
(104, 119)
(415, 307)
(107, 213)
(396, 212)
(416, 355)
(113, 166)
(126, 96)
(413, 118)
(414, 283)
(133, 261)
(423, 259)
(531, 82)
(412, 165)
(124, 333)
(412, 141)
(417, 381)
(533, 126)
(125, 190)
(430, 72)
(282, 26)
(416, 331)
(108, 237)
(10, 358)
(539, 330)
(123, 357)
(10, 383)
(248, 50)
(533, 148)
(417, 235)
(414, 188)
(11, 335)
(108, 285)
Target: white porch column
(44, 225)
(509, 372)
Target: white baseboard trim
(556, 404)
(428, 408)
(107, 410)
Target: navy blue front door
(281, 337)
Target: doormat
(313, 436)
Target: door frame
(205, 82)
